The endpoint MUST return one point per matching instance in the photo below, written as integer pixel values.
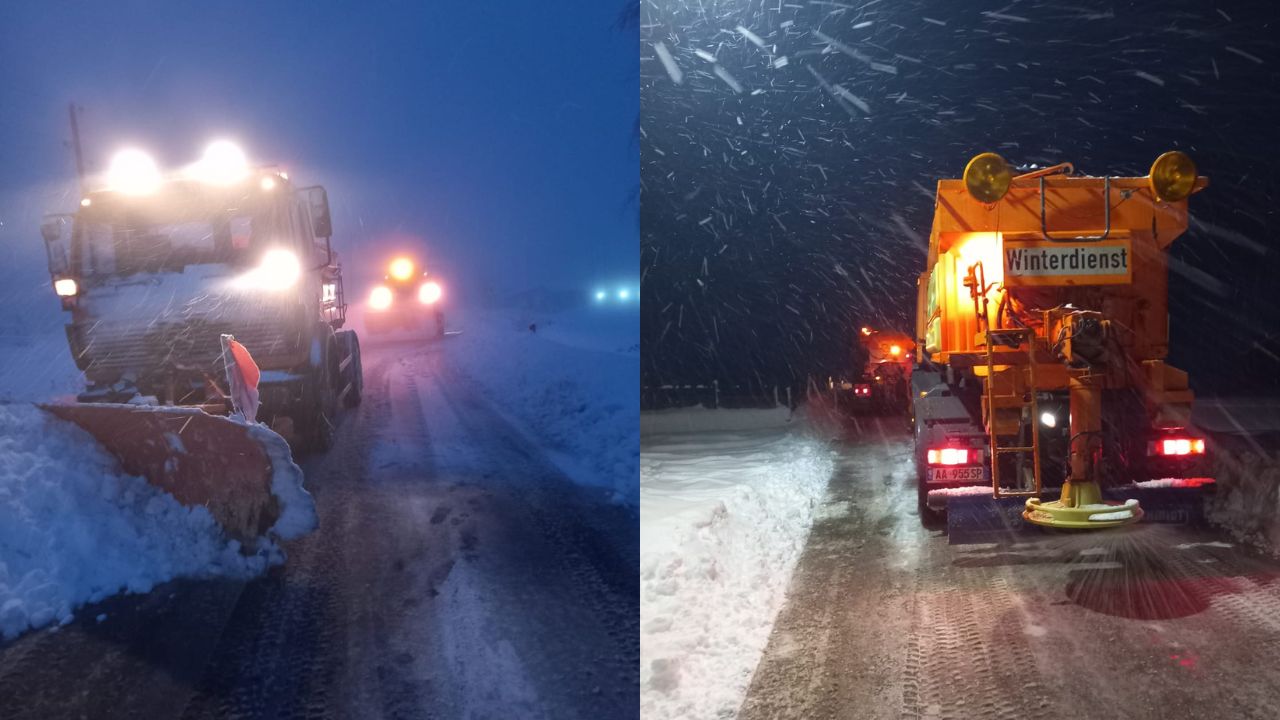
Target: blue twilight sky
(498, 136)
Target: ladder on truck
(1025, 403)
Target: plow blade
(198, 458)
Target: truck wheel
(349, 343)
(317, 418)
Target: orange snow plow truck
(1042, 325)
(884, 383)
(156, 271)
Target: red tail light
(951, 456)
(862, 390)
(1177, 446)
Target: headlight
(430, 292)
(895, 350)
(402, 268)
(223, 163)
(380, 298)
(1048, 419)
(133, 172)
(279, 270)
(65, 287)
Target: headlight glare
(430, 292)
(380, 298)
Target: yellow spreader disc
(1083, 517)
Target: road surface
(886, 620)
(456, 574)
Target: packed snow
(75, 529)
(571, 382)
(727, 498)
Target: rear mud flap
(198, 458)
(973, 519)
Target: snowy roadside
(727, 498)
(1244, 444)
(572, 386)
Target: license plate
(956, 474)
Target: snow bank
(723, 518)
(37, 367)
(573, 386)
(297, 508)
(74, 529)
(700, 419)
(1247, 498)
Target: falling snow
(783, 141)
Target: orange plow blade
(198, 458)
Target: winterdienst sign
(1108, 262)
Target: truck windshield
(131, 244)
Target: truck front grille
(107, 350)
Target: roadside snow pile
(37, 366)
(724, 515)
(572, 383)
(1244, 445)
(700, 419)
(73, 529)
(297, 508)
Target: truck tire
(349, 343)
(317, 418)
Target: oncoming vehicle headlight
(380, 298)
(401, 268)
(65, 287)
(430, 292)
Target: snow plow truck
(884, 384)
(408, 300)
(1043, 327)
(156, 271)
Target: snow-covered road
(885, 619)
(457, 573)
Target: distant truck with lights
(884, 383)
(153, 269)
(409, 299)
(1043, 327)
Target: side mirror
(51, 228)
(55, 230)
(318, 201)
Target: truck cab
(152, 278)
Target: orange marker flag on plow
(242, 377)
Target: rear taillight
(1176, 447)
(862, 390)
(951, 456)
